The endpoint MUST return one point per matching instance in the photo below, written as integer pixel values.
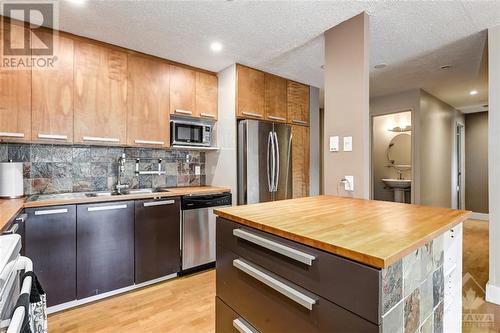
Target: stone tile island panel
(412, 291)
(75, 168)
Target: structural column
(347, 78)
(493, 286)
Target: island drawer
(270, 303)
(351, 285)
(228, 321)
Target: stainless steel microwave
(190, 133)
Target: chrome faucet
(121, 170)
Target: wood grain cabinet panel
(52, 95)
(249, 93)
(275, 98)
(206, 96)
(300, 161)
(297, 103)
(100, 94)
(148, 102)
(15, 90)
(182, 91)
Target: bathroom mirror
(399, 151)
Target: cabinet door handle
(203, 114)
(276, 118)
(101, 208)
(183, 111)
(51, 211)
(12, 134)
(103, 139)
(301, 122)
(159, 203)
(251, 114)
(243, 327)
(272, 281)
(53, 136)
(148, 142)
(287, 251)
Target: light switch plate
(197, 170)
(334, 143)
(348, 143)
(349, 184)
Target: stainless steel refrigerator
(264, 161)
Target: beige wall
(347, 104)
(476, 162)
(381, 139)
(436, 144)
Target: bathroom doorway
(392, 157)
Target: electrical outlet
(349, 183)
(197, 170)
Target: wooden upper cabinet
(297, 103)
(100, 94)
(15, 89)
(52, 95)
(206, 96)
(300, 161)
(148, 102)
(249, 93)
(182, 91)
(275, 98)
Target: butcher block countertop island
(336, 264)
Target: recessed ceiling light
(216, 46)
(446, 67)
(380, 66)
(77, 2)
(473, 92)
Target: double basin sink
(80, 195)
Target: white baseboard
(492, 293)
(75, 303)
(480, 216)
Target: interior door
(254, 161)
(283, 150)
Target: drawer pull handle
(301, 122)
(183, 111)
(251, 114)
(101, 208)
(159, 203)
(276, 118)
(208, 115)
(12, 230)
(12, 134)
(53, 136)
(148, 142)
(51, 211)
(21, 218)
(243, 327)
(95, 138)
(274, 246)
(269, 280)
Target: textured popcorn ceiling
(285, 37)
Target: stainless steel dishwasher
(198, 228)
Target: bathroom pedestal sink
(399, 186)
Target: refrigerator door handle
(269, 143)
(277, 157)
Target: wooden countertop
(376, 233)
(9, 208)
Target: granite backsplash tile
(65, 168)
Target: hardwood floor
(182, 305)
(188, 304)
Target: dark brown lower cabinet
(157, 244)
(50, 242)
(105, 247)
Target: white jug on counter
(11, 180)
